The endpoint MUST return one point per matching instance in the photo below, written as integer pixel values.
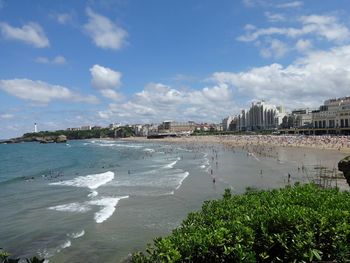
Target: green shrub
(303, 223)
(5, 258)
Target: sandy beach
(316, 152)
(339, 143)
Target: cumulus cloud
(158, 101)
(106, 81)
(105, 78)
(316, 27)
(42, 92)
(31, 33)
(104, 32)
(58, 60)
(306, 82)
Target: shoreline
(339, 144)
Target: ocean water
(100, 200)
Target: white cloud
(326, 27)
(63, 18)
(275, 49)
(316, 27)
(31, 33)
(293, 4)
(104, 32)
(42, 92)
(159, 102)
(58, 60)
(106, 81)
(303, 45)
(111, 94)
(105, 78)
(274, 17)
(306, 82)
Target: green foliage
(5, 258)
(84, 134)
(302, 223)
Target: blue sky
(73, 63)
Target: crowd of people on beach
(326, 141)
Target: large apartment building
(260, 116)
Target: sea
(101, 200)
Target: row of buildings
(332, 117)
(179, 128)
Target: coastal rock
(61, 139)
(344, 166)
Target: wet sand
(308, 158)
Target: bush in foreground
(294, 224)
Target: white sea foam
(129, 145)
(149, 150)
(205, 164)
(92, 181)
(93, 194)
(71, 207)
(183, 149)
(66, 244)
(172, 164)
(77, 234)
(108, 204)
(182, 177)
(45, 253)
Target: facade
(85, 128)
(177, 127)
(260, 116)
(300, 118)
(227, 122)
(334, 113)
(114, 125)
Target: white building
(260, 116)
(335, 113)
(227, 122)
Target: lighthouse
(35, 128)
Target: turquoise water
(99, 200)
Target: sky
(74, 63)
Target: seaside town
(174, 131)
(331, 118)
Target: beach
(340, 143)
(100, 200)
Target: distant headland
(61, 136)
